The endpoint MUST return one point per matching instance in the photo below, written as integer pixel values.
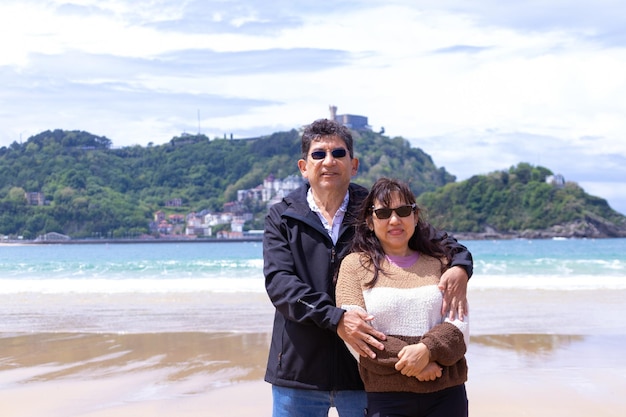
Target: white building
(271, 189)
(556, 180)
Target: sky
(480, 86)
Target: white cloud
(610, 191)
(478, 85)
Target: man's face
(328, 173)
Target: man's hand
(355, 329)
(453, 283)
(413, 359)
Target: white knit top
(406, 304)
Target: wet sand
(532, 353)
(216, 374)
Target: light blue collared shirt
(332, 229)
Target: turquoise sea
(555, 286)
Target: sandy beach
(561, 354)
(216, 374)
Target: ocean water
(566, 264)
(558, 286)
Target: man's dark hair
(325, 127)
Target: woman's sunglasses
(336, 153)
(402, 211)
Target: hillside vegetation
(93, 189)
(520, 203)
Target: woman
(392, 274)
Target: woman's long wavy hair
(366, 242)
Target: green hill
(521, 203)
(94, 190)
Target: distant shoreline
(530, 235)
(133, 241)
(458, 236)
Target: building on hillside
(195, 225)
(234, 208)
(165, 228)
(52, 237)
(272, 189)
(234, 212)
(237, 225)
(174, 202)
(257, 193)
(159, 217)
(224, 234)
(556, 180)
(176, 218)
(35, 198)
(213, 219)
(351, 121)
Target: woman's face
(394, 232)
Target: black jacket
(300, 262)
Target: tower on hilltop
(333, 112)
(351, 121)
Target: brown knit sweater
(406, 305)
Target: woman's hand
(413, 359)
(431, 372)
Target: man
(306, 236)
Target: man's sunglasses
(402, 211)
(336, 153)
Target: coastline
(133, 241)
(576, 230)
(534, 235)
(555, 233)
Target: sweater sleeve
(386, 359)
(446, 343)
(348, 292)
